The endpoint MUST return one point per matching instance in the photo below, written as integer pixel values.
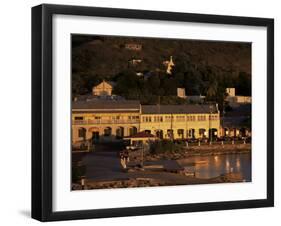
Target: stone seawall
(236, 147)
(204, 150)
(152, 182)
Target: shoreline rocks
(151, 182)
(201, 151)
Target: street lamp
(210, 125)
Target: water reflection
(213, 166)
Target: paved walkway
(104, 165)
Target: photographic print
(130, 106)
(159, 112)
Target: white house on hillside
(103, 89)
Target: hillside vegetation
(201, 67)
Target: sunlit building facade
(180, 121)
(110, 120)
(104, 120)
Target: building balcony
(104, 121)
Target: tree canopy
(202, 68)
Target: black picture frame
(42, 111)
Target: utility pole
(185, 131)
(222, 118)
(158, 132)
(171, 131)
(210, 125)
(142, 150)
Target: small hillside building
(169, 64)
(234, 100)
(230, 92)
(103, 89)
(133, 46)
(181, 92)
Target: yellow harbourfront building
(180, 121)
(112, 119)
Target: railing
(104, 121)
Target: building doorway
(132, 131)
(159, 134)
(191, 133)
(119, 133)
(82, 133)
(107, 132)
(181, 133)
(213, 134)
(226, 132)
(95, 135)
(202, 133)
(170, 134)
(243, 132)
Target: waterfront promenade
(103, 168)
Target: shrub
(163, 146)
(78, 172)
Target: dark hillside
(197, 65)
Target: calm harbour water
(213, 166)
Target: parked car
(204, 140)
(133, 147)
(192, 140)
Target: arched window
(82, 133)
(132, 131)
(107, 131)
(119, 132)
(181, 133)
